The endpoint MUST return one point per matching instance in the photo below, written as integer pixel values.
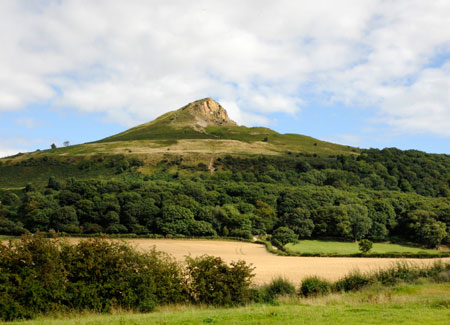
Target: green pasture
(6, 237)
(337, 247)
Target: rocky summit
(209, 112)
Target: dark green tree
(174, 220)
(54, 184)
(299, 220)
(424, 228)
(365, 245)
(65, 219)
(360, 221)
(282, 236)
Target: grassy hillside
(183, 133)
(36, 167)
(194, 130)
(241, 144)
(191, 123)
(17, 176)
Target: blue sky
(362, 73)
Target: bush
(277, 287)
(280, 286)
(435, 271)
(40, 275)
(104, 275)
(401, 271)
(443, 276)
(353, 281)
(211, 281)
(32, 277)
(121, 277)
(315, 286)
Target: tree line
(409, 171)
(223, 204)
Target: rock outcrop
(209, 112)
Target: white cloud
(241, 117)
(423, 106)
(135, 60)
(6, 151)
(15, 144)
(347, 139)
(27, 122)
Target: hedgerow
(40, 275)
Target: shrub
(105, 275)
(401, 271)
(277, 287)
(314, 286)
(115, 275)
(40, 275)
(443, 276)
(32, 277)
(280, 286)
(212, 281)
(353, 281)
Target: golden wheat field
(267, 265)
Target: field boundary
(133, 236)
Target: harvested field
(268, 266)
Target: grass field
(326, 247)
(403, 304)
(6, 237)
(267, 265)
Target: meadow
(339, 247)
(6, 237)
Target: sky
(370, 74)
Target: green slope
(188, 123)
(188, 130)
(200, 132)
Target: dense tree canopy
(379, 194)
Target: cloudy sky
(362, 73)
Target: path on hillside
(211, 165)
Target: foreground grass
(404, 304)
(328, 247)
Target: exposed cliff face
(209, 112)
